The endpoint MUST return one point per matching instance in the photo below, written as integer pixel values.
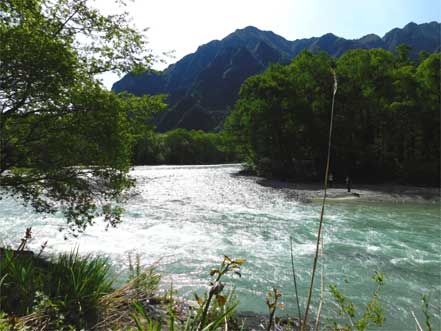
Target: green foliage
(67, 288)
(4, 322)
(272, 302)
(10, 323)
(228, 265)
(181, 146)
(146, 279)
(386, 124)
(22, 276)
(426, 313)
(209, 314)
(143, 322)
(78, 282)
(373, 312)
(53, 319)
(66, 142)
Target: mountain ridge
(203, 85)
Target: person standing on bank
(348, 183)
(330, 179)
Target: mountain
(204, 85)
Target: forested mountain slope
(204, 85)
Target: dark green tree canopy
(386, 123)
(66, 142)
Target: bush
(22, 276)
(79, 282)
(73, 283)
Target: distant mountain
(204, 85)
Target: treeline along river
(190, 216)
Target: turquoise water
(189, 217)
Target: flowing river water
(190, 216)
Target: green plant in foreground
(143, 322)
(228, 265)
(373, 312)
(425, 309)
(215, 309)
(21, 277)
(4, 322)
(272, 301)
(146, 279)
(211, 314)
(78, 282)
(48, 315)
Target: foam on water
(189, 217)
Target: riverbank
(391, 193)
(76, 292)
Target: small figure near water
(330, 179)
(348, 183)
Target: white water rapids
(190, 216)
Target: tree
(65, 142)
(386, 124)
(281, 114)
(365, 86)
(403, 53)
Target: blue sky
(182, 25)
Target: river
(190, 216)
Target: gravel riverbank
(363, 193)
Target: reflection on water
(189, 217)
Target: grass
(72, 283)
(22, 276)
(79, 282)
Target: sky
(180, 26)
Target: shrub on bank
(71, 283)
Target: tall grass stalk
(80, 282)
(418, 325)
(320, 229)
(295, 280)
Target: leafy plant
(21, 277)
(227, 265)
(272, 301)
(373, 312)
(146, 279)
(215, 309)
(78, 282)
(47, 315)
(142, 321)
(425, 309)
(4, 322)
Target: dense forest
(386, 124)
(182, 146)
